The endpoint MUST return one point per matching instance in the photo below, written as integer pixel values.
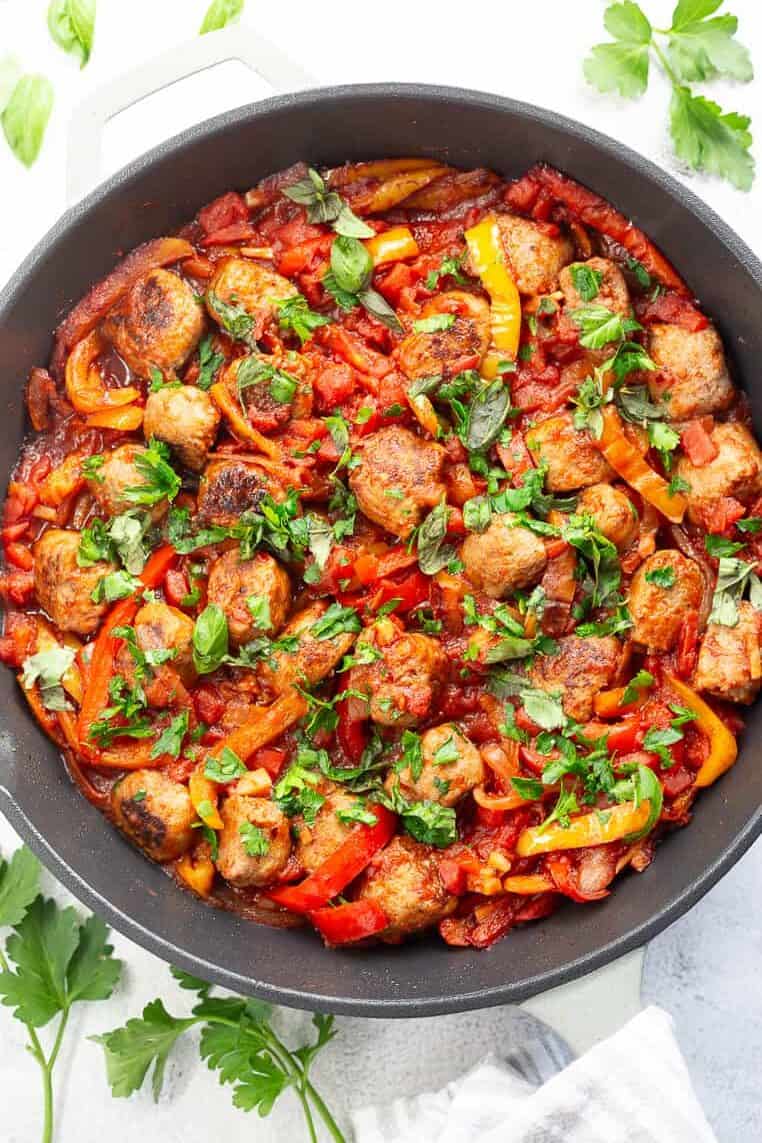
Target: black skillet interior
(154, 196)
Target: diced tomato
(333, 384)
(673, 310)
(676, 781)
(236, 232)
(269, 758)
(298, 259)
(223, 211)
(208, 703)
(454, 875)
(697, 443)
(524, 722)
(176, 586)
(19, 638)
(352, 349)
(399, 278)
(19, 555)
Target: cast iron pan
(153, 196)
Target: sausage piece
(404, 880)
(503, 558)
(445, 352)
(451, 767)
(398, 477)
(161, 627)
(571, 458)
(579, 669)
(664, 591)
(157, 324)
(729, 659)
(612, 288)
(317, 842)
(693, 375)
(118, 474)
(186, 419)
(155, 812)
(535, 257)
(613, 513)
(314, 656)
(735, 471)
(254, 842)
(63, 588)
(228, 488)
(405, 681)
(247, 286)
(255, 594)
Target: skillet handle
(595, 1006)
(83, 160)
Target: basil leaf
(348, 224)
(210, 639)
(486, 415)
(219, 14)
(351, 264)
(380, 309)
(71, 24)
(433, 554)
(47, 668)
(233, 319)
(477, 513)
(647, 788)
(26, 116)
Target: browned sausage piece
(229, 488)
(571, 458)
(535, 257)
(451, 767)
(404, 880)
(693, 375)
(735, 471)
(404, 682)
(600, 273)
(250, 287)
(399, 477)
(613, 513)
(663, 593)
(579, 669)
(155, 812)
(117, 475)
(316, 842)
(503, 558)
(255, 594)
(254, 842)
(186, 419)
(445, 352)
(63, 588)
(314, 656)
(729, 659)
(157, 324)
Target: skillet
(154, 196)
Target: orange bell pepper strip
(84, 385)
(392, 245)
(124, 420)
(625, 459)
(488, 260)
(239, 424)
(611, 704)
(336, 872)
(512, 801)
(587, 829)
(196, 870)
(528, 884)
(723, 747)
(348, 923)
(376, 169)
(263, 725)
(95, 697)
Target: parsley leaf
(170, 741)
(639, 682)
(709, 139)
(586, 281)
(160, 481)
(209, 362)
(47, 668)
(661, 577)
(19, 879)
(599, 325)
(701, 49)
(295, 314)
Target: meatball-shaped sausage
(664, 591)
(503, 558)
(316, 654)
(254, 594)
(579, 669)
(572, 459)
(398, 477)
(693, 376)
(254, 842)
(451, 767)
(63, 588)
(535, 257)
(404, 682)
(185, 418)
(230, 487)
(155, 812)
(404, 880)
(157, 324)
(613, 513)
(735, 471)
(461, 344)
(317, 842)
(729, 660)
(250, 287)
(608, 279)
(117, 476)
(161, 627)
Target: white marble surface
(705, 969)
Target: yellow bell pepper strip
(238, 423)
(723, 748)
(124, 420)
(377, 169)
(392, 245)
(613, 824)
(625, 459)
(424, 413)
(528, 884)
(611, 704)
(375, 199)
(196, 870)
(84, 385)
(203, 795)
(488, 260)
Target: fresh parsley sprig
(697, 46)
(237, 1041)
(52, 960)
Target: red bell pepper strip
(351, 730)
(95, 697)
(341, 867)
(348, 923)
(411, 591)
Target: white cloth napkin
(632, 1088)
